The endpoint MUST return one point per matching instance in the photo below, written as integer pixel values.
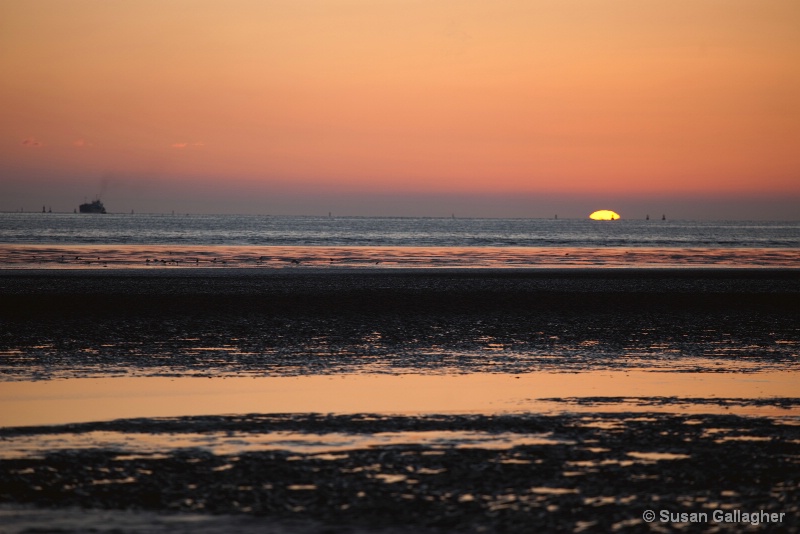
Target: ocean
(38, 240)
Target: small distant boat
(94, 206)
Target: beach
(394, 400)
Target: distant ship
(94, 206)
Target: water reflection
(323, 446)
(248, 256)
(66, 401)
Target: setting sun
(604, 215)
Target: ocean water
(209, 230)
(37, 240)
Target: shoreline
(378, 257)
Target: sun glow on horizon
(604, 215)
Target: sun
(604, 215)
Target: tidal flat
(465, 400)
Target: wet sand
(598, 472)
(278, 323)
(51, 256)
(588, 460)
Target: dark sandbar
(299, 321)
(349, 291)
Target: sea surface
(39, 240)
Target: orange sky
(251, 101)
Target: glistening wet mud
(595, 471)
(245, 323)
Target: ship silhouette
(94, 206)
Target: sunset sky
(403, 107)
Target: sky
(508, 108)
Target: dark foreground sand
(596, 472)
(295, 321)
